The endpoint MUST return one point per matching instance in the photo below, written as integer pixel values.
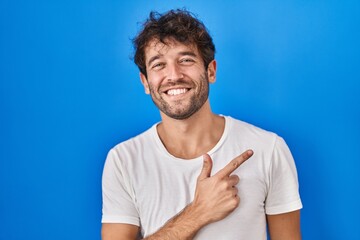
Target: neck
(191, 137)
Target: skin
(187, 117)
(181, 70)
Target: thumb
(206, 169)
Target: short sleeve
(283, 188)
(118, 204)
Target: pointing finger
(234, 164)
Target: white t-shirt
(144, 185)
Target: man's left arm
(284, 226)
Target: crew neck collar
(164, 151)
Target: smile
(177, 91)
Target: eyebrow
(183, 53)
(188, 53)
(154, 58)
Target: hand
(216, 196)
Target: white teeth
(174, 92)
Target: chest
(163, 188)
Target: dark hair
(180, 25)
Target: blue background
(69, 92)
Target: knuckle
(230, 195)
(235, 177)
(224, 185)
(231, 184)
(235, 163)
(237, 181)
(235, 202)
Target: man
(186, 177)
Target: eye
(187, 61)
(158, 66)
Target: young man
(195, 175)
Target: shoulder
(265, 143)
(268, 147)
(138, 141)
(249, 132)
(131, 148)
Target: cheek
(155, 79)
(154, 76)
(152, 87)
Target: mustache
(176, 82)
(179, 82)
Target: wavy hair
(180, 25)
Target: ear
(145, 83)
(211, 71)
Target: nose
(174, 72)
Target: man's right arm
(119, 231)
(215, 198)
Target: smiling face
(176, 78)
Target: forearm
(183, 226)
(285, 226)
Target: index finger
(235, 163)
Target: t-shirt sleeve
(118, 204)
(283, 192)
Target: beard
(182, 109)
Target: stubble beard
(180, 110)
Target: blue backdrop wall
(69, 92)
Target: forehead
(170, 46)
